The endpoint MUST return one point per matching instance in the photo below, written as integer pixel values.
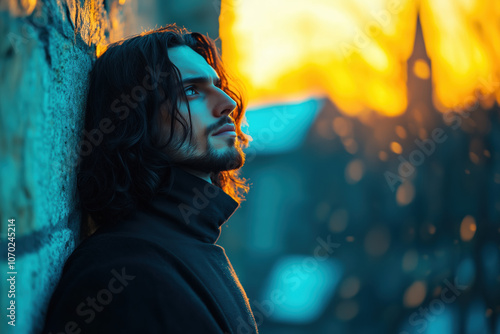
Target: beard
(212, 160)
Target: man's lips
(226, 129)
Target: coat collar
(186, 206)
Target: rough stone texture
(46, 53)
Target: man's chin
(231, 158)
(227, 164)
(235, 164)
(216, 162)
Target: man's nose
(225, 105)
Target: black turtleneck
(158, 271)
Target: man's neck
(201, 175)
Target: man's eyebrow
(201, 80)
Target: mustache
(223, 121)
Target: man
(158, 177)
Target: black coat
(159, 271)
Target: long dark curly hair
(122, 164)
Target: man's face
(211, 109)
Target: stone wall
(47, 49)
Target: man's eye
(190, 91)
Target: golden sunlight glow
(464, 46)
(356, 52)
